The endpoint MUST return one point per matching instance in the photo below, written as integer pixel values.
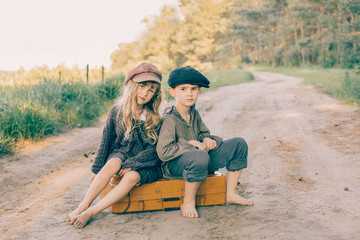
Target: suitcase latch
(141, 204)
(202, 200)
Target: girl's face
(145, 92)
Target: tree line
(224, 34)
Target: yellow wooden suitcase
(167, 194)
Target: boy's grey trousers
(195, 165)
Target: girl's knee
(132, 177)
(113, 164)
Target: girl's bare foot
(188, 210)
(70, 217)
(81, 220)
(237, 199)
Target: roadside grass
(218, 79)
(229, 77)
(32, 112)
(343, 84)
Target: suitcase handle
(171, 199)
(171, 203)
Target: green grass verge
(32, 112)
(343, 84)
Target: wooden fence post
(102, 74)
(87, 73)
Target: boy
(187, 149)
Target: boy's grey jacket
(175, 134)
(137, 150)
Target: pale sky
(70, 32)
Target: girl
(127, 145)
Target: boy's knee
(199, 160)
(197, 168)
(241, 142)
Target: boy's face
(185, 94)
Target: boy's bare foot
(188, 210)
(70, 217)
(81, 220)
(237, 199)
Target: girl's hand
(199, 145)
(115, 180)
(124, 171)
(210, 143)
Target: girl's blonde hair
(128, 104)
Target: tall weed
(6, 144)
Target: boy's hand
(199, 145)
(210, 144)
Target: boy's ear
(199, 89)
(171, 91)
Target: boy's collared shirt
(175, 133)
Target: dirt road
(303, 173)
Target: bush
(110, 88)
(351, 85)
(79, 104)
(25, 120)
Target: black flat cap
(187, 75)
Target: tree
(197, 39)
